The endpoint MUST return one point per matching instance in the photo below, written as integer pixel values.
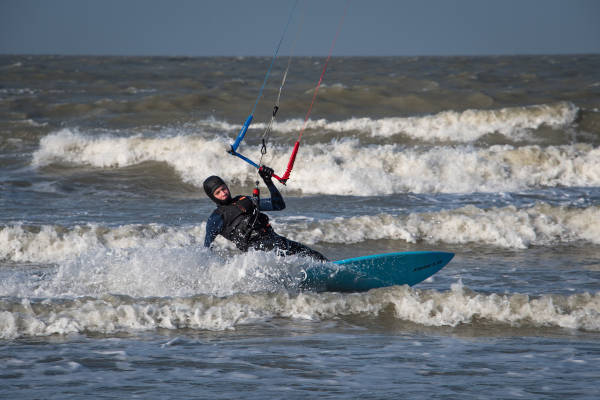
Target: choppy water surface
(107, 292)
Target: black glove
(266, 173)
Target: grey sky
(253, 27)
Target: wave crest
(345, 167)
(456, 126)
(505, 227)
(459, 306)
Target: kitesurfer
(239, 219)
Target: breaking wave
(345, 167)
(505, 227)
(466, 126)
(459, 306)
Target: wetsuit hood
(210, 185)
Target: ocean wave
(465, 126)
(459, 306)
(55, 243)
(505, 227)
(345, 167)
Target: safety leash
(256, 202)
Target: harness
(243, 222)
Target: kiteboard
(369, 272)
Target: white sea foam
(345, 167)
(193, 157)
(18, 91)
(464, 126)
(51, 244)
(144, 271)
(506, 227)
(515, 123)
(458, 306)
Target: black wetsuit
(242, 223)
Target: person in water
(240, 220)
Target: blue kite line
(244, 129)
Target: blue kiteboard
(369, 272)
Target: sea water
(106, 290)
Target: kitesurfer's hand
(266, 173)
